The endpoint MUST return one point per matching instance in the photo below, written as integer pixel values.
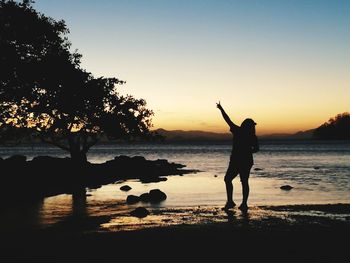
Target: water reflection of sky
(95, 212)
(107, 208)
(318, 173)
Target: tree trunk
(78, 156)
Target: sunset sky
(286, 64)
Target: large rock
(132, 199)
(144, 197)
(140, 159)
(140, 212)
(48, 176)
(20, 159)
(156, 196)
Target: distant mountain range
(196, 135)
(308, 134)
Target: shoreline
(51, 176)
(89, 228)
(257, 217)
(291, 233)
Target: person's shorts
(236, 167)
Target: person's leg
(245, 192)
(244, 175)
(231, 173)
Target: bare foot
(243, 207)
(229, 205)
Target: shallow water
(318, 171)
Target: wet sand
(295, 233)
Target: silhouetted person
(244, 144)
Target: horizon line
(224, 133)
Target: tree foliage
(335, 128)
(44, 89)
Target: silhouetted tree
(12, 136)
(27, 39)
(44, 89)
(335, 128)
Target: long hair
(248, 129)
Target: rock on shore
(154, 196)
(47, 176)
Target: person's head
(248, 126)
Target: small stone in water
(286, 187)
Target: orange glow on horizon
(266, 124)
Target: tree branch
(55, 143)
(88, 145)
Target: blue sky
(284, 63)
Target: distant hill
(336, 128)
(196, 135)
(300, 135)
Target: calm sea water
(318, 171)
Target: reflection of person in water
(245, 143)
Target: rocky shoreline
(45, 176)
(293, 233)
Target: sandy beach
(294, 233)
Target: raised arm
(225, 116)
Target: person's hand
(218, 105)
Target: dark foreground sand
(303, 233)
